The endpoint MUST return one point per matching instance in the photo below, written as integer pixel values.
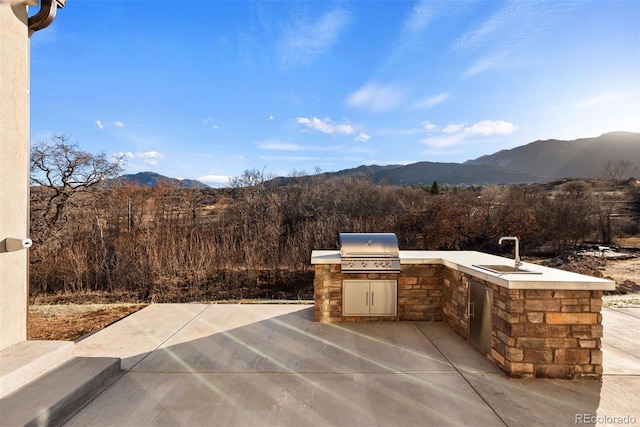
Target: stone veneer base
(535, 333)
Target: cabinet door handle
(372, 298)
(366, 299)
(471, 309)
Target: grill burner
(369, 252)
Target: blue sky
(207, 89)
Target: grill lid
(368, 245)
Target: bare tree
(613, 173)
(616, 171)
(571, 215)
(66, 172)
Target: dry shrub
(255, 241)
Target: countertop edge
(464, 261)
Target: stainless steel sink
(506, 269)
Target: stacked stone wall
(535, 333)
(455, 300)
(548, 333)
(419, 293)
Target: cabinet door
(382, 297)
(355, 297)
(480, 300)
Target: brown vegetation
(170, 244)
(69, 322)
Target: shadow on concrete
(272, 365)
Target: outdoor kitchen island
(537, 323)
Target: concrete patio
(270, 365)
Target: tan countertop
(465, 262)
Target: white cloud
(472, 38)
(377, 98)
(411, 40)
(119, 124)
(427, 125)
(516, 24)
(215, 179)
(121, 158)
(453, 128)
(279, 146)
(430, 102)
(303, 42)
(99, 124)
(420, 17)
(271, 117)
(488, 63)
(458, 133)
(491, 127)
(325, 126)
(362, 137)
(148, 157)
(209, 121)
(128, 154)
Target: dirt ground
(622, 271)
(69, 322)
(627, 276)
(64, 321)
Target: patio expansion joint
(463, 376)
(170, 336)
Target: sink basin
(505, 269)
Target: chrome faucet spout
(518, 263)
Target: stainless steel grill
(369, 252)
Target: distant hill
(537, 162)
(580, 158)
(424, 173)
(152, 179)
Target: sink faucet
(515, 239)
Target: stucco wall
(14, 170)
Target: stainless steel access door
(480, 301)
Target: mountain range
(152, 179)
(536, 162)
(580, 158)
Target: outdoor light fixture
(13, 244)
(45, 15)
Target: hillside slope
(580, 158)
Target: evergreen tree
(435, 188)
